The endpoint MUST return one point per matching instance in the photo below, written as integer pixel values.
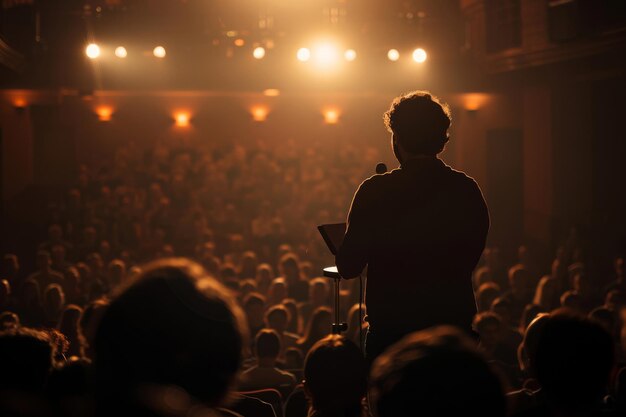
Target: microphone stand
(332, 272)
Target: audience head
(546, 292)
(293, 358)
(90, 320)
(267, 344)
(174, 325)
(483, 276)
(571, 299)
(277, 318)
(419, 123)
(116, 272)
(264, 275)
(527, 350)
(489, 327)
(58, 254)
(10, 265)
(289, 267)
(70, 319)
(487, 293)
(502, 307)
(318, 327)
(277, 291)
(294, 315)
(531, 311)
(249, 262)
(26, 359)
(5, 291)
(335, 377)
(31, 294)
(574, 360)
(615, 299)
(54, 298)
(43, 260)
(318, 291)
(605, 317)
(435, 372)
(254, 307)
(9, 321)
(520, 281)
(246, 287)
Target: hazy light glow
(271, 92)
(393, 55)
(239, 42)
(104, 113)
(259, 52)
(92, 51)
(182, 119)
(259, 113)
(475, 101)
(326, 55)
(331, 116)
(303, 54)
(419, 55)
(350, 55)
(19, 103)
(159, 52)
(121, 52)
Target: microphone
(381, 168)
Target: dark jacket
(421, 229)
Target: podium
(332, 273)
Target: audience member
(319, 326)
(173, 326)
(335, 378)
(265, 374)
(435, 372)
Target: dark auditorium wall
(589, 155)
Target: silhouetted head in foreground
(419, 124)
(25, 360)
(435, 372)
(574, 360)
(335, 377)
(173, 326)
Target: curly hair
(420, 122)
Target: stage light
(271, 92)
(393, 55)
(350, 55)
(331, 116)
(259, 52)
(92, 51)
(121, 52)
(303, 55)
(326, 55)
(159, 52)
(182, 119)
(474, 101)
(19, 103)
(239, 42)
(259, 113)
(104, 113)
(419, 55)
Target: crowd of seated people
(181, 279)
